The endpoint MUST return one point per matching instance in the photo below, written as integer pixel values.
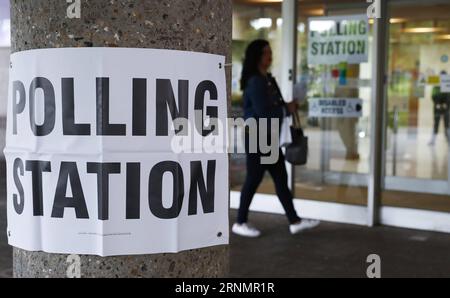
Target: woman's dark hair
(253, 56)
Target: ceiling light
(279, 22)
(423, 30)
(444, 36)
(261, 23)
(397, 21)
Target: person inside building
(262, 99)
(441, 103)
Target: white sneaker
(245, 230)
(305, 224)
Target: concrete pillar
(192, 25)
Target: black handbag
(297, 151)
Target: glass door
(251, 21)
(417, 129)
(339, 158)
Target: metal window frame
(380, 50)
(378, 127)
(377, 180)
(289, 12)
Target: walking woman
(262, 99)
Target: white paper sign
(337, 39)
(335, 107)
(445, 83)
(91, 165)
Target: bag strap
(296, 120)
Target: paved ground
(336, 250)
(332, 250)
